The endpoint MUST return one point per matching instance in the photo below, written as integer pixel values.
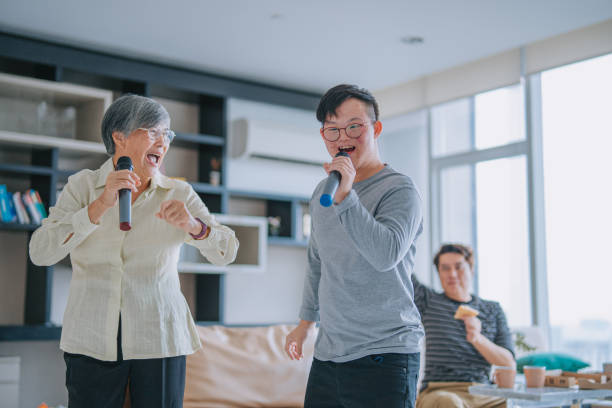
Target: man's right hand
(295, 340)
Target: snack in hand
(465, 311)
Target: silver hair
(128, 113)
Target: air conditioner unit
(264, 140)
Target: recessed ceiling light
(412, 40)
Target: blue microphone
(331, 185)
(125, 196)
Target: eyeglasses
(155, 134)
(354, 130)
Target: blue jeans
(378, 380)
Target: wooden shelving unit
(74, 87)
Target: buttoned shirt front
(132, 274)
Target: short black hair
(335, 96)
(455, 248)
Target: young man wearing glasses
(361, 255)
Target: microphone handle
(331, 185)
(329, 189)
(125, 209)
(125, 197)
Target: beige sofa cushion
(246, 367)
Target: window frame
(531, 148)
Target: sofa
(246, 367)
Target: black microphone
(331, 185)
(125, 197)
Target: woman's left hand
(175, 212)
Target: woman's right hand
(295, 340)
(118, 180)
(115, 181)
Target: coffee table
(521, 396)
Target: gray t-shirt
(361, 255)
(448, 354)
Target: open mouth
(153, 159)
(346, 149)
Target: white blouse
(128, 273)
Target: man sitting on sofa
(459, 349)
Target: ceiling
(306, 45)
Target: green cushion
(552, 361)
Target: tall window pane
(451, 128)
(456, 205)
(499, 117)
(577, 141)
(501, 203)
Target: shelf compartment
(273, 206)
(287, 241)
(252, 254)
(30, 332)
(15, 226)
(199, 139)
(206, 188)
(26, 169)
(35, 106)
(32, 140)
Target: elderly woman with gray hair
(126, 318)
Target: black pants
(381, 380)
(154, 383)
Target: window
(481, 193)
(577, 141)
(456, 221)
(483, 163)
(500, 117)
(451, 127)
(502, 231)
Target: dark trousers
(380, 380)
(153, 383)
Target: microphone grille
(124, 163)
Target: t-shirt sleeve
(421, 294)
(503, 337)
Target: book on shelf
(6, 212)
(12, 208)
(38, 203)
(22, 208)
(22, 214)
(29, 204)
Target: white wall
(275, 295)
(403, 145)
(42, 372)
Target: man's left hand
(473, 326)
(175, 212)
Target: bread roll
(465, 311)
